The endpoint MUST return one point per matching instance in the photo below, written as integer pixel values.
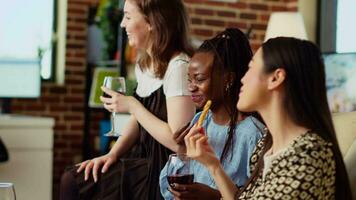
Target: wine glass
(116, 84)
(7, 191)
(178, 170)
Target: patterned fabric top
(306, 170)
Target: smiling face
(254, 91)
(137, 28)
(199, 77)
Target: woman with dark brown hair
(158, 29)
(299, 158)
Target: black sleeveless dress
(137, 176)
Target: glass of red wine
(178, 170)
(116, 84)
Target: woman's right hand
(199, 149)
(95, 164)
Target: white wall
(308, 8)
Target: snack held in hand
(204, 113)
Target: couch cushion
(345, 127)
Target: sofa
(345, 126)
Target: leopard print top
(306, 170)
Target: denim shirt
(236, 162)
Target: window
(26, 33)
(345, 26)
(336, 26)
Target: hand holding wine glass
(111, 86)
(7, 191)
(178, 170)
(196, 191)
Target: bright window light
(346, 29)
(26, 32)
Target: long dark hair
(232, 53)
(169, 34)
(305, 94)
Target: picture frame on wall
(340, 69)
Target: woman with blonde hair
(158, 29)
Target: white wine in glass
(116, 84)
(7, 191)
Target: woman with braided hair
(214, 74)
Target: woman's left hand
(118, 102)
(194, 191)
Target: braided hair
(231, 55)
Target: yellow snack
(204, 113)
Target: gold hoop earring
(227, 87)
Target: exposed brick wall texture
(66, 103)
(209, 17)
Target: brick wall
(209, 18)
(66, 103)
